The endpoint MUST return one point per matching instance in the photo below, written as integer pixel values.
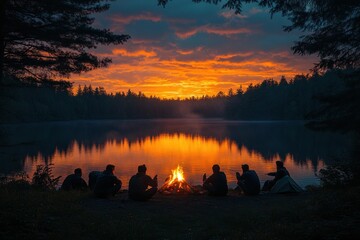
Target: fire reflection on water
(161, 154)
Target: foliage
(51, 38)
(330, 27)
(43, 177)
(269, 100)
(335, 175)
(285, 100)
(338, 110)
(17, 180)
(29, 102)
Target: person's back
(251, 183)
(216, 184)
(280, 173)
(220, 184)
(107, 183)
(139, 183)
(74, 181)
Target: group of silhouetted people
(105, 184)
(142, 187)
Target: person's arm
(209, 180)
(118, 181)
(153, 182)
(83, 184)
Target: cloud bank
(189, 49)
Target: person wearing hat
(216, 184)
(74, 181)
(139, 185)
(107, 184)
(281, 172)
(248, 182)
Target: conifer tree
(42, 39)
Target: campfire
(176, 184)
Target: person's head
(78, 172)
(245, 167)
(279, 164)
(142, 168)
(110, 168)
(216, 168)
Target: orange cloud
(227, 56)
(224, 31)
(231, 14)
(182, 52)
(173, 78)
(138, 53)
(128, 19)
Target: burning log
(176, 184)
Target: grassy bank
(34, 214)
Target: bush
(335, 176)
(44, 178)
(15, 181)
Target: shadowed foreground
(33, 214)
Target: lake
(162, 145)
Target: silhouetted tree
(340, 107)
(42, 39)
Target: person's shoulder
(67, 179)
(134, 176)
(71, 176)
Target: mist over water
(194, 144)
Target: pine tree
(41, 39)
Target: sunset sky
(188, 49)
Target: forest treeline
(292, 99)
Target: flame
(177, 175)
(176, 183)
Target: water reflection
(163, 144)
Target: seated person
(107, 183)
(216, 184)
(249, 181)
(281, 172)
(139, 183)
(74, 181)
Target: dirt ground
(191, 203)
(80, 215)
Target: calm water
(163, 144)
